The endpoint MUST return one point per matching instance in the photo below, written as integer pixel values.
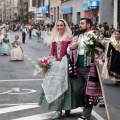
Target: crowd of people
(72, 80)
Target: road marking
(29, 58)
(19, 91)
(25, 55)
(24, 106)
(33, 62)
(18, 104)
(17, 108)
(98, 117)
(50, 114)
(16, 80)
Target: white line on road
(17, 108)
(50, 114)
(29, 58)
(19, 104)
(18, 91)
(24, 106)
(12, 80)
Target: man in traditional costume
(87, 78)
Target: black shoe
(67, 112)
(117, 83)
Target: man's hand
(96, 62)
(73, 46)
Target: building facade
(55, 10)
(9, 10)
(23, 10)
(73, 10)
(116, 12)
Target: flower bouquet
(91, 44)
(14, 44)
(43, 64)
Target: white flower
(88, 38)
(91, 43)
(87, 42)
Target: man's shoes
(57, 115)
(82, 118)
(67, 112)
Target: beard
(83, 30)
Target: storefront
(91, 10)
(45, 11)
(67, 14)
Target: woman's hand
(73, 46)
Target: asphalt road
(19, 89)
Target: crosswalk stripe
(12, 80)
(33, 62)
(17, 108)
(45, 115)
(18, 104)
(29, 58)
(50, 114)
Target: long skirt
(5, 49)
(16, 54)
(67, 101)
(105, 74)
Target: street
(20, 89)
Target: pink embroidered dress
(57, 92)
(16, 52)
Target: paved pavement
(19, 101)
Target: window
(34, 3)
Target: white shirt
(81, 45)
(24, 30)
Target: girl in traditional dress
(113, 59)
(1, 39)
(5, 49)
(16, 52)
(57, 92)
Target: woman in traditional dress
(113, 59)
(1, 39)
(5, 49)
(57, 92)
(16, 52)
